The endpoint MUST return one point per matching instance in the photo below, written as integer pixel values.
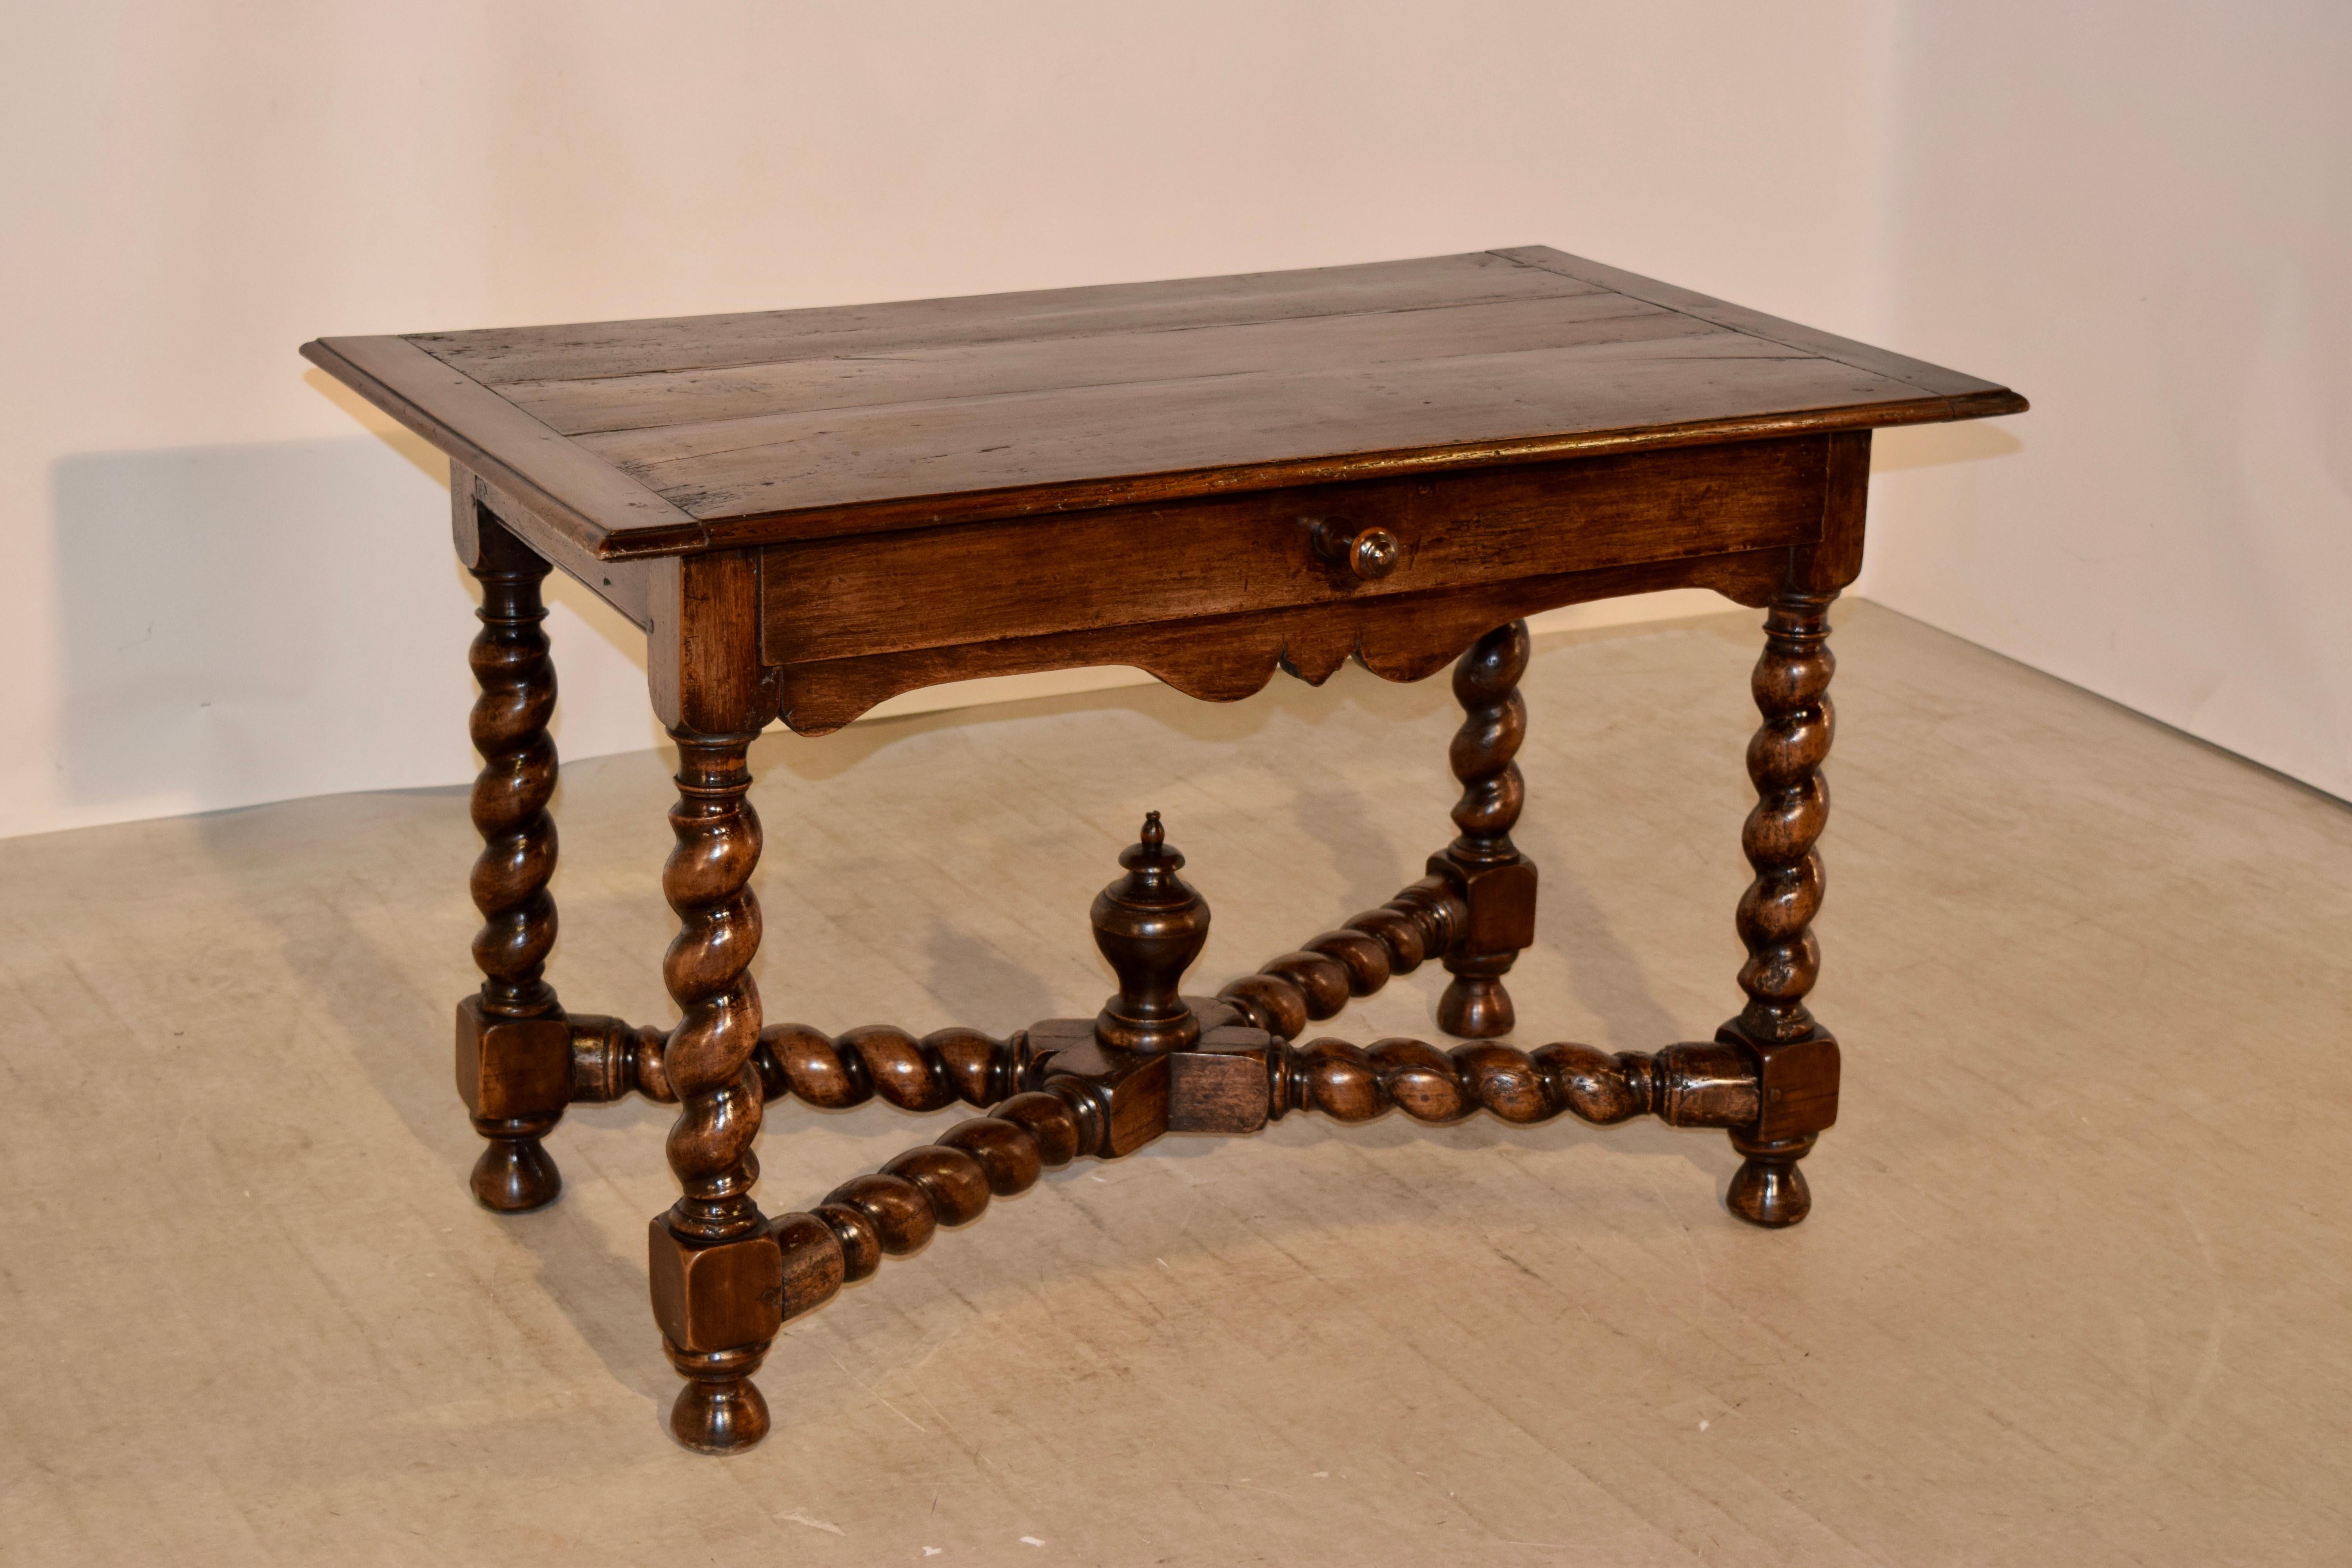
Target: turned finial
(1149, 925)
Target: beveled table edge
(614, 517)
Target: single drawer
(1030, 576)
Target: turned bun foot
(721, 1410)
(1769, 1190)
(1474, 1008)
(515, 1174)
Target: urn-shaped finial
(1149, 925)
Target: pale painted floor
(2077, 1287)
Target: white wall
(2140, 213)
(223, 588)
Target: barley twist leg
(1775, 916)
(1496, 883)
(708, 1063)
(517, 677)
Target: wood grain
(827, 460)
(688, 343)
(673, 436)
(1223, 658)
(1926, 377)
(934, 372)
(837, 598)
(569, 489)
(626, 585)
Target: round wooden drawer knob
(1370, 553)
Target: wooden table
(810, 510)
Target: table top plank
(1739, 318)
(843, 456)
(1080, 364)
(656, 437)
(581, 351)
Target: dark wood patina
(809, 511)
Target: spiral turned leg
(509, 1068)
(1496, 883)
(1798, 1059)
(709, 1065)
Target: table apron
(842, 599)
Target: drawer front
(837, 598)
